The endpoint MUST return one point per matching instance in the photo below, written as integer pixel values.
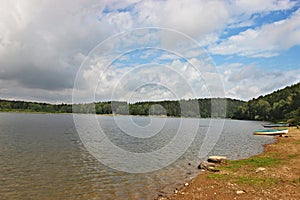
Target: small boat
(275, 125)
(270, 132)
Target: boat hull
(270, 132)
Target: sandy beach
(274, 174)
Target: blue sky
(102, 50)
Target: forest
(281, 105)
(183, 108)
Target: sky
(82, 51)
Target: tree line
(208, 107)
(281, 105)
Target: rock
(186, 184)
(240, 192)
(260, 169)
(162, 198)
(216, 159)
(204, 165)
(213, 169)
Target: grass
(218, 176)
(252, 162)
(244, 172)
(256, 181)
(292, 156)
(247, 180)
(249, 165)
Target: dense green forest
(185, 108)
(281, 105)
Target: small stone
(186, 184)
(240, 192)
(260, 169)
(175, 191)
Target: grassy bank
(274, 174)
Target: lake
(42, 156)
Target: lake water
(43, 157)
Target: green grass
(254, 162)
(292, 156)
(256, 181)
(218, 176)
(246, 180)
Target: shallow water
(42, 156)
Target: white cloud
(256, 6)
(249, 81)
(265, 41)
(42, 43)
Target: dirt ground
(274, 174)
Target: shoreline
(272, 174)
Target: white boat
(270, 132)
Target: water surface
(42, 156)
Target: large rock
(216, 159)
(204, 165)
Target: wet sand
(274, 174)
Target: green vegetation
(253, 162)
(182, 108)
(280, 106)
(23, 106)
(218, 176)
(247, 180)
(257, 181)
(247, 168)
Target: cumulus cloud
(249, 81)
(40, 43)
(265, 41)
(43, 43)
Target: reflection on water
(42, 157)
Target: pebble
(186, 184)
(260, 169)
(240, 192)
